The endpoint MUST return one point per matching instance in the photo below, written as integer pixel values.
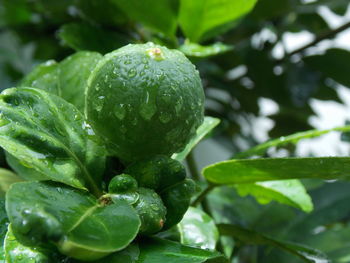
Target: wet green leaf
(199, 51)
(198, 229)
(207, 126)
(196, 17)
(270, 169)
(6, 179)
(127, 255)
(289, 192)
(251, 237)
(48, 134)
(155, 250)
(294, 139)
(74, 220)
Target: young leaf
(155, 250)
(16, 252)
(199, 51)
(294, 138)
(208, 125)
(289, 192)
(74, 220)
(6, 179)
(44, 76)
(160, 15)
(198, 229)
(48, 134)
(80, 36)
(270, 169)
(73, 74)
(251, 237)
(198, 18)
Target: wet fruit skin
(143, 100)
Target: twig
(192, 166)
(201, 197)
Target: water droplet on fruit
(99, 103)
(148, 107)
(178, 106)
(120, 111)
(132, 73)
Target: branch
(203, 194)
(326, 35)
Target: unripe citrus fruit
(144, 100)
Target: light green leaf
(48, 134)
(198, 229)
(247, 236)
(16, 252)
(271, 169)
(80, 36)
(81, 226)
(155, 250)
(44, 76)
(74, 72)
(198, 17)
(293, 138)
(160, 15)
(289, 192)
(199, 51)
(208, 125)
(6, 179)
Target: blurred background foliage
(241, 49)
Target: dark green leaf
(289, 192)
(160, 15)
(3, 221)
(294, 139)
(207, 126)
(251, 237)
(155, 250)
(333, 64)
(270, 169)
(72, 219)
(48, 134)
(127, 255)
(6, 179)
(198, 229)
(81, 36)
(196, 50)
(197, 17)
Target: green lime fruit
(122, 183)
(157, 172)
(144, 100)
(151, 210)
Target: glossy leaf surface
(198, 229)
(6, 179)
(199, 51)
(72, 219)
(198, 17)
(48, 134)
(270, 169)
(155, 250)
(289, 192)
(206, 127)
(251, 237)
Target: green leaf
(251, 237)
(127, 255)
(16, 252)
(6, 179)
(199, 51)
(155, 250)
(3, 221)
(270, 169)
(73, 74)
(294, 139)
(208, 125)
(338, 58)
(74, 220)
(289, 192)
(80, 36)
(198, 229)
(48, 134)
(44, 76)
(198, 17)
(160, 15)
